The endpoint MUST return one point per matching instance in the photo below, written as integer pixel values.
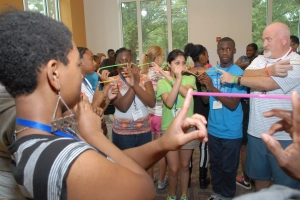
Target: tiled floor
(195, 193)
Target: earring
(63, 122)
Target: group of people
(54, 115)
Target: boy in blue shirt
(224, 123)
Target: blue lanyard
(44, 127)
(123, 79)
(217, 72)
(88, 86)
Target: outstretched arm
(229, 102)
(92, 176)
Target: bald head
(276, 40)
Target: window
(148, 22)
(267, 11)
(49, 8)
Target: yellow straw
(109, 81)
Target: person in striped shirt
(41, 68)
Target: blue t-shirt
(93, 79)
(223, 122)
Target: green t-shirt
(164, 86)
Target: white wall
(207, 20)
(213, 18)
(102, 22)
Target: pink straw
(263, 96)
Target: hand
(113, 91)
(280, 68)
(99, 95)
(127, 74)
(136, 74)
(175, 136)
(88, 122)
(155, 68)
(204, 79)
(226, 77)
(104, 74)
(178, 72)
(288, 159)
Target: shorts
(192, 144)
(155, 123)
(262, 165)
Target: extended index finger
(185, 107)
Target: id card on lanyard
(137, 114)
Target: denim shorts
(129, 141)
(262, 165)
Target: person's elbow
(152, 102)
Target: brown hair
(150, 56)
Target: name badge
(217, 105)
(137, 114)
(175, 111)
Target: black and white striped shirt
(41, 164)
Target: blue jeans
(129, 141)
(224, 161)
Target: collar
(270, 60)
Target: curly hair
(28, 42)
(194, 51)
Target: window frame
(46, 8)
(139, 23)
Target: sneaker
(241, 182)
(184, 197)
(214, 197)
(163, 185)
(171, 198)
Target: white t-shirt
(86, 87)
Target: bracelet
(239, 80)
(172, 81)
(234, 79)
(267, 71)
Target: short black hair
(226, 39)
(174, 54)
(109, 50)
(294, 39)
(122, 49)
(253, 45)
(28, 41)
(194, 51)
(82, 51)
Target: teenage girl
(172, 90)
(155, 54)
(131, 127)
(199, 55)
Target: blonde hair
(150, 56)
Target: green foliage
(155, 24)
(285, 11)
(38, 6)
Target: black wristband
(239, 80)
